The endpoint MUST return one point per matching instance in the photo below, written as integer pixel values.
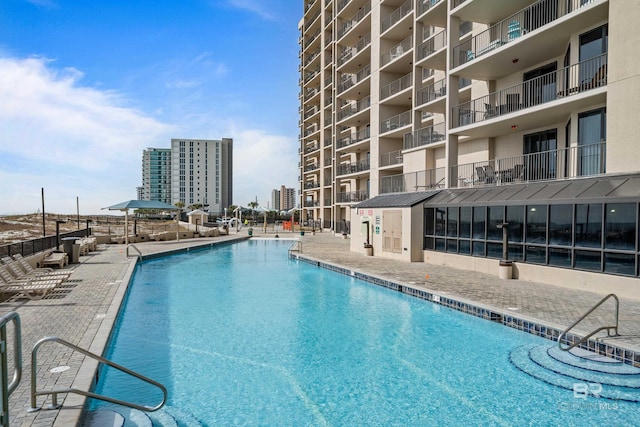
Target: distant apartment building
(520, 112)
(283, 199)
(202, 173)
(156, 175)
(192, 171)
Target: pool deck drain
(84, 313)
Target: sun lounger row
(87, 244)
(18, 277)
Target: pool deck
(84, 308)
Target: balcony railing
(423, 6)
(392, 158)
(352, 196)
(349, 80)
(431, 45)
(431, 92)
(354, 138)
(568, 81)
(396, 16)
(510, 29)
(425, 136)
(351, 109)
(414, 181)
(311, 167)
(396, 86)
(563, 163)
(396, 51)
(350, 51)
(350, 23)
(354, 167)
(311, 147)
(395, 122)
(310, 185)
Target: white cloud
(72, 140)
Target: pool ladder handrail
(8, 388)
(296, 246)
(54, 393)
(137, 250)
(602, 328)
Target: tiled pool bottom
(538, 329)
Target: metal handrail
(137, 250)
(7, 389)
(297, 246)
(602, 328)
(54, 393)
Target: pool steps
(119, 416)
(578, 371)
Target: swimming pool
(240, 335)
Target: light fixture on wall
(514, 127)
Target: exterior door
(392, 231)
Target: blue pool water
(240, 335)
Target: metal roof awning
(397, 200)
(609, 189)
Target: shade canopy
(141, 204)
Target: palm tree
(253, 205)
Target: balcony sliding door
(592, 132)
(540, 153)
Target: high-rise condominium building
(156, 175)
(202, 173)
(522, 112)
(284, 198)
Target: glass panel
(440, 245)
(620, 264)
(560, 224)
(479, 222)
(620, 223)
(440, 221)
(429, 243)
(591, 130)
(515, 252)
(452, 245)
(430, 227)
(536, 255)
(478, 249)
(537, 224)
(464, 247)
(588, 260)
(495, 217)
(589, 225)
(494, 250)
(541, 162)
(465, 223)
(452, 222)
(560, 257)
(515, 218)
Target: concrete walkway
(84, 309)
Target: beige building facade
(401, 96)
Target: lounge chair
(55, 258)
(24, 270)
(31, 288)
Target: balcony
(400, 50)
(396, 16)
(396, 122)
(353, 167)
(425, 136)
(552, 165)
(432, 12)
(352, 110)
(415, 181)
(354, 138)
(395, 87)
(431, 93)
(568, 89)
(357, 52)
(392, 158)
(431, 53)
(352, 23)
(352, 196)
(352, 80)
(311, 185)
(535, 30)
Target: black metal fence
(33, 246)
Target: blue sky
(87, 85)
